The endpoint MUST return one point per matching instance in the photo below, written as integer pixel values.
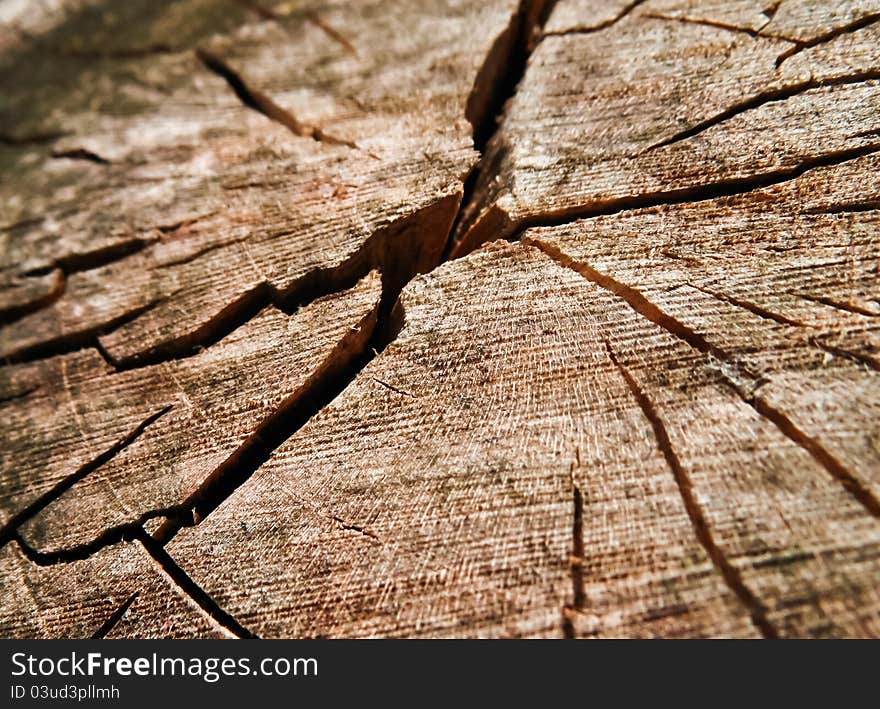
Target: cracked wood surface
(230, 406)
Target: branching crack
(189, 588)
(590, 29)
(700, 524)
(73, 341)
(641, 305)
(851, 308)
(723, 188)
(713, 23)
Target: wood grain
(440, 318)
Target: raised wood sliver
(274, 366)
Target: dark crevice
(819, 453)
(79, 154)
(781, 94)
(854, 26)
(262, 103)
(364, 342)
(340, 368)
(732, 576)
(114, 618)
(191, 589)
(645, 308)
(870, 205)
(399, 251)
(125, 532)
(496, 83)
(47, 498)
(590, 29)
(575, 560)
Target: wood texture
(440, 319)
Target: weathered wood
(93, 450)
(656, 414)
(270, 164)
(82, 599)
(652, 110)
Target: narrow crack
(832, 34)
(262, 103)
(781, 94)
(189, 588)
(576, 558)
(62, 486)
(850, 308)
(869, 205)
(703, 531)
(392, 388)
(355, 528)
(79, 154)
(331, 32)
(18, 395)
(74, 341)
(732, 187)
(114, 618)
(590, 29)
(857, 357)
(120, 533)
(96, 258)
(310, 16)
(757, 34)
(648, 310)
(388, 250)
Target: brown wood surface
(440, 318)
